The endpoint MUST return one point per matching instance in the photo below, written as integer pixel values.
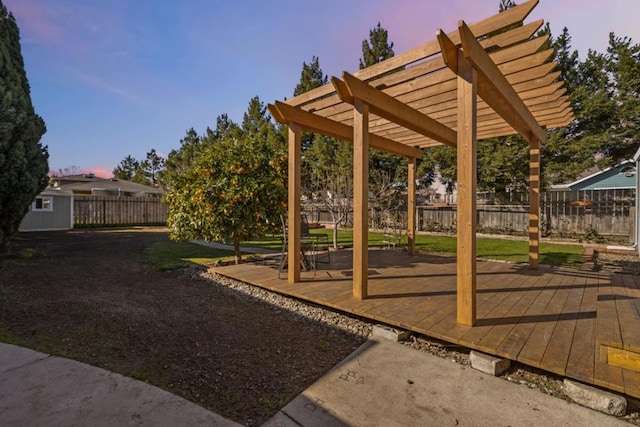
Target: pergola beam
(485, 27)
(386, 106)
(286, 114)
(496, 91)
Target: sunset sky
(119, 77)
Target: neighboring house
(89, 184)
(61, 181)
(113, 187)
(620, 177)
(51, 210)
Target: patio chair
(322, 244)
(308, 252)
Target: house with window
(51, 210)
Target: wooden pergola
(426, 97)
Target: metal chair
(308, 252)
(322, 245)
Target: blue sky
(119, 77)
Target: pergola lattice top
(413, 96)
(486, 80)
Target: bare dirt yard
(90, 296)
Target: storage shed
(51, 210)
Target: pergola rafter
(483, 80)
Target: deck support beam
(534, 203)
(295, 184)
(467, 182)
(360, 199)
(411, 206)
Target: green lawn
(487, 248)
(172, 255)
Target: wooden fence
(112, 210)
(563, 214)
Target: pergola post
(295, 184)
(411, 206)
(360, 198)
(534, 203)
(467, 181)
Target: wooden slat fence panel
(112, 210)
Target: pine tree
(377, 48)
(311, 77)
(126, 169)
(23, 159)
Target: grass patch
(487, 248)
(171, 255)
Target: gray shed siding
(60, 217)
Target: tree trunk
(335, 220)
(236, 249)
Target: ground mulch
(89, 295)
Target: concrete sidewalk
(387, 384)
(380, 384)
(245, 249)
(41, 390)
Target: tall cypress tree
(23, 160)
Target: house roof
(413, 96)
(612, 177)
(114, 185)
(56, 192)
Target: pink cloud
(35, 19)
(99, 171)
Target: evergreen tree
(23, 159)
(148, 170)
(126, 169)
(377, 48)
(311, 77)
(385, 168)
(181, 160)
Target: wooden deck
(560, 320)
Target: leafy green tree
(23, 159)
(126, 169)
(228, 185)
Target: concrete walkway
(245, 249)
(381, 384)
(41, 390)
(388, 384)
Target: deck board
(546, 318)
(582, 356)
